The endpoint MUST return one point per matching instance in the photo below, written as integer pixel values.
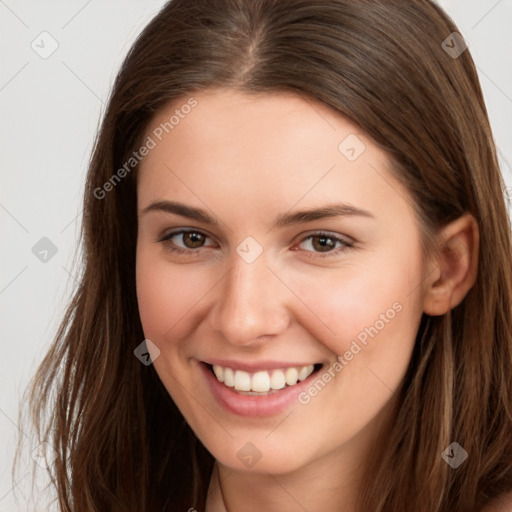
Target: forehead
(251, 122)
(266, 147)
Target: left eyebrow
(286, 219)
(330, 210)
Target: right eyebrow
(181, 209)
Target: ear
(456, 267)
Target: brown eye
(193, 240)
(323, 243)
(184, 241)
(326, 243)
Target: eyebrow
(286, 219)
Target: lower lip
(254, 405)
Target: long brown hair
(121, 443)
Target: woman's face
(261, 290)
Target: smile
(262, 390)
(261, 382)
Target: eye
(326, 243)
(190, 239)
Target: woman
(297, 284)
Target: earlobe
(456, 267)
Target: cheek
(374, 317)
(166, 293)
(364, 304)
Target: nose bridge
(251, 302)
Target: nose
(250, 304)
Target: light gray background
(50, 112)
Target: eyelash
(192, 252)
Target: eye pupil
(323, 245)
(196, 239)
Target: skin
(246, 159)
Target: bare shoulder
(502, 503)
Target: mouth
(263, 382)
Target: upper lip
(257, 365)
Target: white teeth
(262, 381)
(242, 381)
(292, 376)
(277, 381)
(229, 377)
(306, 371)
(219, 372)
